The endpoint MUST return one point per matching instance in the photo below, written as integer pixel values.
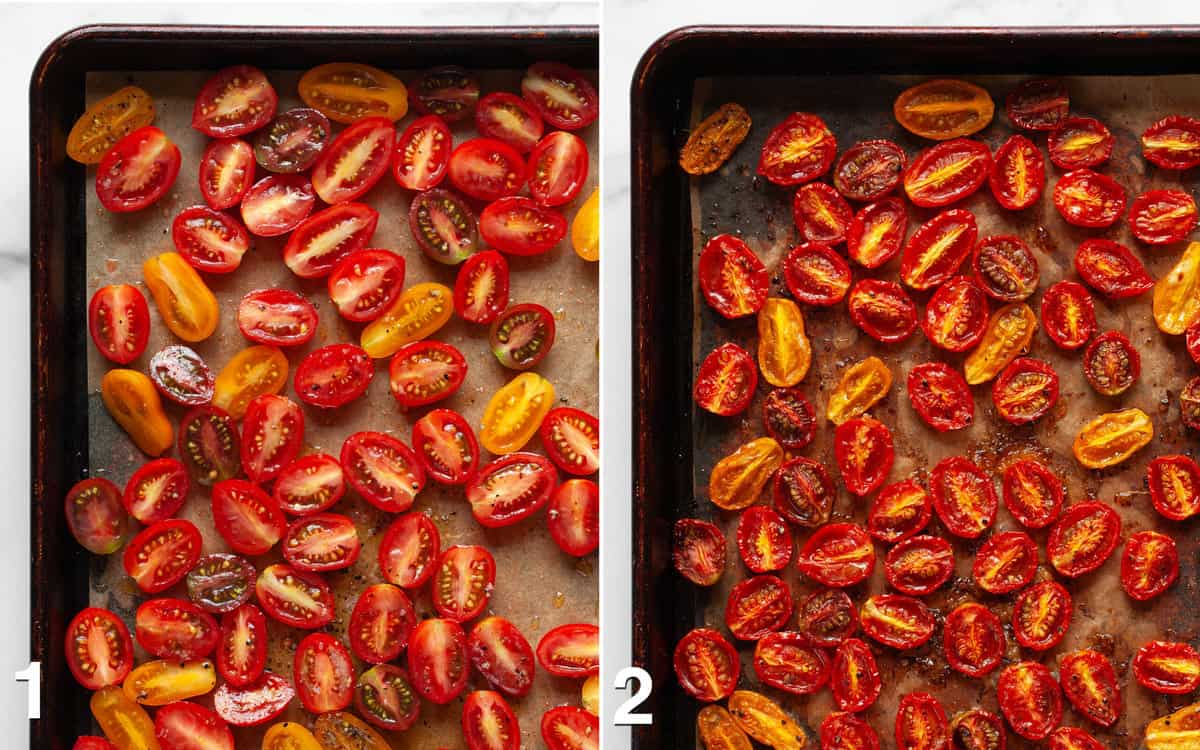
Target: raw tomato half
(209, 240)
(383, 470)
(445, 444)
(234, 101)
(226, 172)
(425, 371)
(139, 170)
(409, 550)
(486, 169)
(558, 168)
(573, 517)
(321, 241)
(509, 118)
(333, 376)
(422, 153)
(276, 317)
(519, 226)
(561, 94)
(571, 437)
(365, 283)
(277, 204)
(511, 488)
(119, 322)
(357, 159)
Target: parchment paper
(537, 586)
(735, 200)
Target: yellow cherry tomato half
(124, 723)
(1177, 294)
(107, 121)
(133, 402)
(251, 373)
(348, 92)
(590, 695)
(862, 386)
(186, 304)
(763, 719)
(718, 730)
(1111, 438)
(515, 412)
(784, 352)
(416, 314)
(159, 682)
(1177, 731)
(585, 228)
(1008, 335)
(738, 479)
(288, 735)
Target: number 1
(33, 675)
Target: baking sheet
(538, 586)
(735, 200)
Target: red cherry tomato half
(1160, 217)
(234, 101)
(882, 310)
(854, 676)
(273, 434)
(333, 376)
(356, 159)
(161, 555)
(365, 283)
(481, 288)
(221, 582)
(139, 170)
(896, 620)
(1006, 562)
(182, 376)
(323, 673)
(445, 444)
(827, 618)
(383, 470)
(1032, 493)
(570, 728)
(1090, 684)
(1006, 268)
(502, 655)
(277, 317)
(320, 542)
(511, 488)
(242, 649)
(1038, 104)
(409, 551)
(936, 250)
(209, 444)
(757, 606)
(1089, 199)
(293, 141)
(869, 170)
(519, 226)
(977, 728)
(940, 396)
(486, 169)
(226, 172)
(119, 322)
(864, 452)
(787, 662)
(1111, 364)
(956, 316)
(561, 95)
(947, 172)
(425, 371)
(815, 274)
(802, 492)
(837, 555)
(186, 725)
(1149, 565)
(422, 153)
(1068, 314)
(963, 497)
(1167, 667)
(764, 540)
(698, 551)
(321, 241)
(876, 233)
(1174, 482)
(726, 381)
(842, 730)
(919, 565)
(974, 641)
(921, 723)
(488, 723)
(706, 665)
(1025, 391)
(799, 149)
(99, 650)
(1079, 142)
(574, 517)
(522, 336)
(900, 511)
(1083, 538)
(571, 438)
(509, 118)
(96, 515)
(558, 168)
(821, 215)
(1041, 615)
(462, 582)
(1193, 341)
(437, 660)
(1173, 142)
(93, 743)
(253, 704)
(788, 417)
(295, 597)
(571, 650)
(733, 279)
(310, 484)
(157, 490)
(1018, 174)
(247, 517)
(277, 204)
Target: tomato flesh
(295, 597)
(561, 95)
(383, 470)
(837, 555)
(221, 582)
(242, 649)
(96, 515)
(1083, 538)
(502, 655)
(1089, 199)
(162, 554)
(293, 141)
(574, 517)
(1079, 142)
(757, 606)
(409, 551)
(446, 446)
(854, 677)
(558, 168)
(254, 704)
(320, 242)
(1068, 314)
(324, 674)
(869, 170)
(947, 172)
(481, 288)
(156, 491)
(1149, 565)
(706, 665)
(940, 396)
(864, 452)
(424, 372)
(798, 150)
(519, 226)
(698, 551)
(247, 517)
(963, 497)
(210, 445)
(974, 641)
(355, 161)
(119, 322)
(1018, 174)
(509, 118)
(437, 660)
(277, 204)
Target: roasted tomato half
(156, 491)
(119, 322)
(827, 618)
(1079, 142)
(714, 139)
(1176, 303)
(764, 540)
(882, 310)
(1083, 538)
(277, 204)
(1068, 314)
(788, 416)
(863, 447)
(698, 551)
(854, 676)
(511, 488)
(1111, 438)
(862, 385)
(1167, 667)
(1025, 391)
(820, 214)
(383, 470)
(940, 396)
(1030, 699)
(423, 372)
(1041, 615)
(757, 606)
(803, 492)
(947, 172)
(816, 275)
(869, 170)
(422, 153)
(733, 279)
(943, 108)
(1006, 268)
(481, 287)
(765, 721)
(956, 316)
(1008, 334)
(842, 730)
(96, 515)
(571, 438)
(1089, 199)
(226, 172)
(974, 641)
(786, 661)
(784, 351)
(247, 517)
(320, 242)
(295, 597)
(333, 376)
(1032, 493)
(234, 101)
(921, 723)
(977, 729)
(365, 283)
(896, 620)
(1160, 217)
(1090, 684)
(1006, 562)
(706, 665)
(445, 444)
(877, 232)
(161, 555)
(726, 380)
(1174, 483)
(963, 497)
(1149, 565)
(936, 250)
(139, 170)
(919, 565)
(1037, 104)
(409, 550)
(1111, 363)
(1018, 174)
(799, 149)
(98, 648)
(838, 555)
(901, 510)
(1173, 142)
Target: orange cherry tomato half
(864, 452)
(1006, 268)
(226, 172)
(698, 551)
(348, 92)
(132, 401)
(837, 555)
(757, 606)
(1083, 538)
(139, 170)
(1089, 199)
(234, 101)
(1006, 562)
(940, 396)
(1160, 217)
(515, 412)
(943, 108)
(1112, 438)
(122, 720)
(963, 497)
(821, 214)
(974, 641)
(947, 172)
(119, 322)
(1018, 174)
(107, 121)
(876, 233)
(1068, 314)
(356, 159)
(1025, 391)
(1173, 142)
(956, 316)
(1174, 482)
(1008, 334)
(184, 301)
(816, 275)
(1038, 104)
(706, 665)
(938, 247)
(869, 170)
(422, 154)
(1079, 142)
(733, 279)
(252, 372)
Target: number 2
(625, 716)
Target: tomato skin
(1173, 142)
(785, 661)
(816, 275)
(863, 473)
(520, 125)
(187, 726)
(1149, 565)
(101, 638)
(764, 540)
(242, 649)
(956, 316)
(919, 565)
(333, 376)
(883, 310)
(1006, 562)
(176, 629)
(333, 537)
(1029, 379)
(481, 287)
(445, 444)
(96, 515)
(963, 497)
(254, 102)
(974, 641)
(1088, 199)
(500, 652)
(366, 146)
(422, 153)
(1090, 684)
(182, 376)
(1068, 314)
(184, 301)
(869, 170)
(1087, 518)
(132, 152)
(854, 678)
(940, 396)
(1032, 493)
(316, 612)
(921, 723)
(122, 719)
(363, 449)
(548, 85)
(969, 162)
(469, 161)
(879, 614)
(757, 606)
(221, 582)
(698, 551)
(132, 401)
(359, 218)
(1033, 711)
(348, 92)
(1154, 662)
(226, 172)
(154, 574)
(119, 322)
(1167, 476)
(277, 204)
(437, 660)
(977, 729)
(1079, 142)
(1018, 174)
(709, 644)
(255, 704)
(573, 517)
(842, 730)
(233, 502)
(324, 674)
(953, 233)
(876, 233)
(209, 444)
(900, 511)
(726, 257)
(1048, 596)
(93, 743)
(726, 381)
(485, 715)
(820, 214)
(492, 502)
(293, 141)
(1038, 104)
(557, 168)
(785, 167)
(1006, 268)
(837, 555)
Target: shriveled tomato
(500, 653)
(900, 511)
(293, 141)
(348, 92)
(509, 118)
(784, 351)
(838, 555)
(1173, 142)
(883, 310)
(99, 650)
(1006, 268)
(826, 618)
(187, 726)
(558, 168)
(726, 380)
(247, 517)
(511, 488)
(974, 641)
(356, 159)
(733, 279)
(706, 665)
(1072, 738)
(1079, 142)
(896, 620)
(1006, 562)
(940, 396)
(1112, 438)
(423, 372)
(182, 376)
(757, 606)
(921, 723)
(698, 551)
(320, 242)
(221, 582)
(854, 676)
(803, 492)
(1111, 363)
(422, 153)
(943, 108)
(570, 728)
(209, 444)
(320, 542)
(1167, 667)
(799, 149)
(409, 550)
(1083, 538)
(573, 517)
(963, 497)
(956, 315)
(256, 703)
(522, 335)
(1018, 174)
(160, 682)
(1189, 407)
(486, 169)
(161, 555)
(820, 214)
(437, 660)
(869, 170)
(184, 301)
(861, 386)
(1174, 483)
(876, 233)
(786, 661)
(419, 312)
(947, 172)
(96, 515)
(514, 412)
(1038, 104)
(1175, 731)
(1008, 334)
(788, 417)
(252, 372)
(977, 729)
(1090, 684)
(1029, 699)
(1149, 565)
(333, 376)
(121, 719)
(842, 730)
(561, 94)
(764, 540)
(1032, 493)
(295, 597)
(1041, 615)
(481, 288)
(1160, 217)
(234, 101)
(1025, 391)
(919, 565)
(938, 247)
(1193, 341)
(815, 274)
(323, 673)
(738, 479)
(277, 204)
(226, 172)
(714, 726)
(445, 444)
(138, 171)
(864, 452)
(119, 322)
(107, 121)
(242, 649)
(1176, 298)
(1068, 314)
(383, 470)
(1089, 199)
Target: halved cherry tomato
(131, 400)
(509, 118)
(295, 597)
(1173, 142)
(99, 650)
(1025, 391)
(1072, 738)
(837, 555)
(384, 696)
(419, 312)
(1083, 538)
(96, 515)
(1018, 174)
(254, 704)
(184, 301)
(861, 386)
(1008, 334)
(242, 650)
(896, 620)
(1068, 314)
(320, 542)
(1189, 404)
(784, 351)
(345, 731)
(107, 121)
(210, 445)
(974, 640)
(570, 650)
(276, 317)
(481, 288)
(1149, 565)
(423, 372)
(348, 92)
(272, 436)
(571, 438)
(293, 141)
(501, 654)
(1089, 199)
(422, 153)
(900, 511)
(714, 726)
(820, 214)
(122, 720)
(869, 170)
(519, 226)
(226, 172)
(356, 159)
(1174, 482)
(1006, 562)
(488, 723)
(570, 728)
(786, 661)
(1032, 493)
(511, 488)
(788, 417)
(921, 723)
(827, 618)
(1079, 142)
(447, 91)
(1090, 684)
(182, 376)
(1112, 438)
(323, 673)
(963, 497)
(876, 233)
(437, 660)
(160, 682)
(726, 381)
(842, 730)
(514, 412)
(323, 239)
(186, 726)
(444, 226)
(381, 623)
(463, 580)
(977, 729)
(332, 376)
(383, 470)
(943, 108)
(1176, 301)
(956, 316)
(1041, 615)
(574, 517)
(764, 540)
(757, 606)
(854, 676)
(445, 444)
(557, 169)
(156, 491)
(1160, 217)
(221, 582)
(139, 170)
(803, 492)
(409, 550)
(764, 720)
(738, 479)
(1030, 699)
(234, 101)
(1175, 731)
(161, 555)
(1111, 364)
(522, 336)
(883, 310)
(800, 149)
(247, 517)
(1193, 341)
(119, 322)
(863, 448)
(733, 279)
(947, 172)
(562, 96)
(938, 247)
(1038, 104)
(278, 204)
(1006, 268)
(706, 665)
(698, 551)
(486, 169)
(1167, 667)
(815, 274)
(940, 396)
(919, 565)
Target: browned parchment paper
(736, 201)
(538, 586)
